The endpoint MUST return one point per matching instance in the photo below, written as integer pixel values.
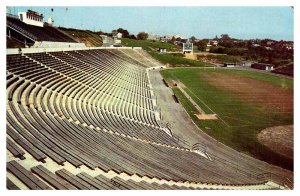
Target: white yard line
(208, 107)
(201, 101)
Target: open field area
(245, 102)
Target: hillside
(177, 60)
(287, 69)
(89, 38)
(149, 45)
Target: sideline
(219, 117)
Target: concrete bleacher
(46, 33)
(91, 110)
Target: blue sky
(201, 22)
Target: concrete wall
(48, 44)
(37, 50)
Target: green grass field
(239, 122)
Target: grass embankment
(239, 122)
(89, 38)
(177, 60)
(219, 58)
(174, 60)
(149, 45)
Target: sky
(202, 22)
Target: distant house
(263, 66)
(213, 42)
(270, 43)
(289, 46)
(166, 38)
(229, 65)
(179, 36)
(153, 37)
(246, 63)
(268, 48)
(119, 35)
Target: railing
(264, 177)
(22, 31)
(181, 141)
(289, 183)
(236, 167)
(199, 147)
(286, 182)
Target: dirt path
(191, 56)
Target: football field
(244, 101)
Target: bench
(25, 176)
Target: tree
(173, 39)
(124, 32)
(219, 50)
(142, 35)
(132, 36)
(226, 41)
(178, 39)
(225, 37)
(202, 45)
(193, 38)
(249, 44)
(114, 32)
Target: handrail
(234, 165)
(179, 139)
(265, 176)
(14, 26)
(268, 176)
(290, 183)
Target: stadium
(116, 118)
